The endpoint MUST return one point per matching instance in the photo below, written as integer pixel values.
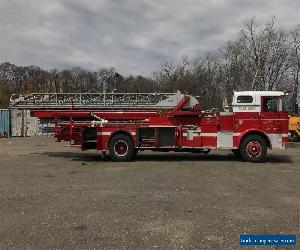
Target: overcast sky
(135, 36)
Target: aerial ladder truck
(122, 124)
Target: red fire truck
(121, 125)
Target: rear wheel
(253, 148)
(121, 148)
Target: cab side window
(244, 99)
(270, 104)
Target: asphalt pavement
(54, 196)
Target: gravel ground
(54, 196)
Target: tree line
(261, 57)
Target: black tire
(121, 148)
(253, 148)
(236, 153)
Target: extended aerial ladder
(95, 101)
(73, 111)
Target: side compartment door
(156, 137)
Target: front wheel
(121, 148)
(253, 148)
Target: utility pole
(117, 75)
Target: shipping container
(5, 122)
(22, 124)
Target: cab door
(270, 115)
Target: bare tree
(197, 76)
(268, 48)
(295, 68)
(106, 78)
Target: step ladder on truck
(120, 125)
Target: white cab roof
(259, 93)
